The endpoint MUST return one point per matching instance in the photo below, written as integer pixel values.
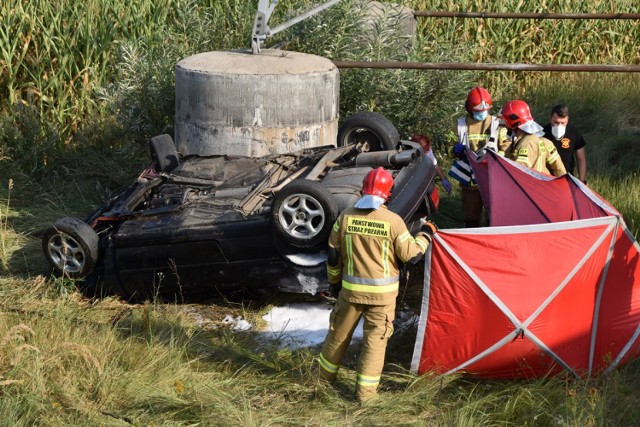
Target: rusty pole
(399, 65)
(525, 15)
(503, 67)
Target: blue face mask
(480, 115)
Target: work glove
(428, 227)
(447, 185)
(458, 149)
(334, 289)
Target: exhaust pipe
(386, 159)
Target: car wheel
(371, 128)
(71, 247)
(303, 213)
(163, 151)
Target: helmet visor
(482, 106)
(531, 127)
(369, 201)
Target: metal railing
(525, 15)
(399, 65)
(497, 66)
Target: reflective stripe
(385, 258)
(523, 157)
(328, 366)
(336, 226)
(478, 136)
(368, 381)
(373, 282)
(333, 271)
(349, 244)
(404, 236)
(422, 244)
(373, 289)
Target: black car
(211, 224)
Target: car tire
(163, 151)
(71, 247)
(303, 213)
(371, 128)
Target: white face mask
(480, 115)
(558, 131)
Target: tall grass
(535, 41)
(112, 61)
(65, 360)
(4, 222)
(65, 65)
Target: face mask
(558, 131)
(480, 115)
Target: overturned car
(197, 225)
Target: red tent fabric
(517, 195)
(523, 301)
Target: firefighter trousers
(377, 328)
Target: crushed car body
(199, 225)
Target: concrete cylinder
(395, 17)
(238, 103)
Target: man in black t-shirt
(568, 140)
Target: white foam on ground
(300, 325)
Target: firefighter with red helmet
(476, 131)
(366, 245)
(529, 147)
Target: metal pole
(303, 16)
(398, 65)
(500, 15)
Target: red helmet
(478, 100)
(378, 182)
(515, 114)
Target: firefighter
(477, 131)
(529, 147)
(366, 245)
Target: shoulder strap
(492, 142)
(463, 131)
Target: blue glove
(458, 149)
(447, 185)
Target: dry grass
(68, 360)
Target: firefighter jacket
(476, 135)
(537, 153)
(480, 134)
(367, 245)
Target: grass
(73, 129)
(68, 360)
